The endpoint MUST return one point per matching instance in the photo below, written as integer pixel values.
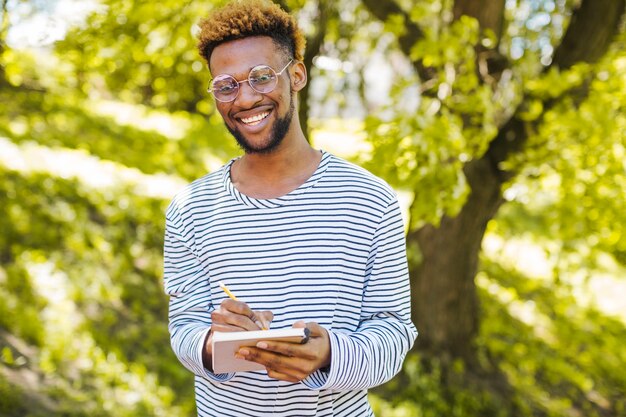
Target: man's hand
(236, 316)
(233, 316)
(290, 361)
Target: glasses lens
(262, 79)
(225, 88)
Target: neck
(277, 173)
(293, 156)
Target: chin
(266, 146)
(276, 136)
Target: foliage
(149, 54)
(67, 251)
(560, 358)
(80, 290)
(101, 327)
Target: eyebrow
(248, 72)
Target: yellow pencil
(227, 291)
(232, 296)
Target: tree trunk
(444, 302)
(4, 28)
(314, 45)
(489, 13)
(590, 32)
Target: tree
(445, 300)
(492, 103)
(4, 23)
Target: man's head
(245, 18)
(237, 40)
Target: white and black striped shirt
(332, 251)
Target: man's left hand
(290, 361)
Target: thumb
(264, 318)
(300, 324)
(314, 328)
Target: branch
(592, 28)
(489, 13)
(4, 28)
(385, 9)
(314, 43)
(283, 5)
(325, 10)
(589, 33)
(491, 63)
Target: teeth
(255, 119)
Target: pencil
(227, 291)
(232, 296)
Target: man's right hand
(233, 316)
(236, 316)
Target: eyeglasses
(262, 78)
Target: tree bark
(444, 300)
(383, 10)
(314, 45)
(489, 13)
(590, 32)
(4, 28)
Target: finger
(283, 377)
(224, 315)
(227, 318)
(259, 319)
(217, 327)
(315, 329)
(293, 366)
(236, 307)
(286, 349)
(264, 318)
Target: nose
(247, 96)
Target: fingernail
(261, 345)
(243, 352)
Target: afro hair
(244, 18)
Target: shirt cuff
(202, 371)
(324, 379)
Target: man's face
(258, 121)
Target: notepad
(226, 344)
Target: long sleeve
(332, 251)
(186, 283)
(374, 353)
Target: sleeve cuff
(201, 370)
(324, 379)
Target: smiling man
(305, 239)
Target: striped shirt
(332, 251)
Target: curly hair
(244, 18)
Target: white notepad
(226, 344)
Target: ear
(298, 76)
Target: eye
(261, 77)
(225, 86)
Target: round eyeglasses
(262, 78)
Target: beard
(278, 133)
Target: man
(303, 238)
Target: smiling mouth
(254, 120)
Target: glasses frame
(211, 90)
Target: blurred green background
(501, 124)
